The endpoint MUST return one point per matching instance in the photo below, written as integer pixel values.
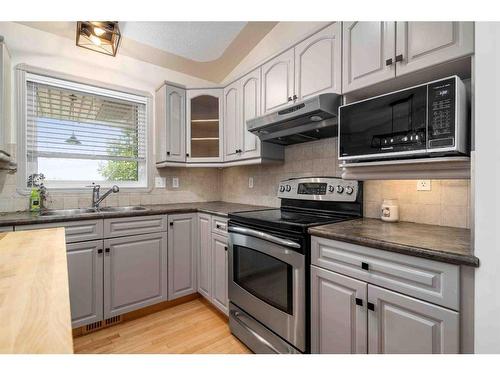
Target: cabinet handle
(399, 58)
(99, 251)
(388, 62)
(370, 306)
(225, 248)
(359, 302)
(107, 250)
(168, 153)
(290, 99)
(295, 97)
(171, 224)
(187, 155)
(217, 226)
(365, 266)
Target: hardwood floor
(190, 328)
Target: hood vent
(309, 120)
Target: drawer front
(6, 229)
(127, 226)
(425, 279)
(76, 231)
(219, 225)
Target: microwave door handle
(265, 236)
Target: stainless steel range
(269, 261)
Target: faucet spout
(97, 198)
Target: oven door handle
(265, 236)
(237, 316)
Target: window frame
(25, 73)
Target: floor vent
(114, 320)
(92, 327)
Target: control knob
(282, 188)
(349, 190)
(340, 189)
(331, 188)
(288, 188)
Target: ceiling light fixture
(98, 36)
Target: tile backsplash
(447, 203)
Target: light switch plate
(160, 182)
(175, 182)
(423, 185)
(250, 182)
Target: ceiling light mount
(99, 36)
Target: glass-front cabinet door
(204, 125)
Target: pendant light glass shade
(100, 36)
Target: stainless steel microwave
(424, 120)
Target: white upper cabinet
(204, 125)
(232, 122)
(368, 53)
(318, 63)
(171, 124)
(5, 91)
(250, 108)
(278, 81)
(423, 44)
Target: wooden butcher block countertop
(34, 293)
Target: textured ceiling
(199, 41)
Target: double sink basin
(79, 211)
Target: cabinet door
(423, 44)
(176, 124)
(135, 272)
(85, 273)
(318, 63)
(232, 122)
(277, 81)
(219, 273)
(204, 270)
(338, 321)
(181, 255)
(366, 48)
(204, 134)
(404, 325)
(250, 88)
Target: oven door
(267, 281)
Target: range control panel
(319, 188)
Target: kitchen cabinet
(423, 44)
(338, 313)
(85, 273)
(170, 102)
(232, 121)
(278, 81)
(5, 94)
(204, 125)
(135, 272)
(181, 255)
(318, 63)
(204, 269)
(369, 52)
(403, 325)
(220, 273)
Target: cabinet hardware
(388, 62)
(217, 226)
(99, 251)
(187, 155)
(225, 248)
(171, 224)
(290, 99)
(364, 266)
(168, 153)
(399, 58)
(107, 250)
(359, 302)
(370, 306)
(295, 97)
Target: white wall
(282, 36)
(487, 187)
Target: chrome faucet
(97, 198)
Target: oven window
(266, 277)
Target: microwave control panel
(441, 116)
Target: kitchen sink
(68, 212)
(123, 209)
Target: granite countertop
(214, 208)
(445, 244)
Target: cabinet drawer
(6, 229)
(76, 231)
(426, 279)
(127, 226)
(219, 225)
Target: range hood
(304, 121)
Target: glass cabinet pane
(204, 126)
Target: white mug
(390, 210)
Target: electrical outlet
(175, 182)
(250, 182)
(160, 182)
(423, 185)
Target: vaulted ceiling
(208, 50)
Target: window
(76, 134)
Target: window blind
(66, 123)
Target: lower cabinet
(134, 272)
(219, 273)
(351, 316)
(85, 272)
(181, 255)
(204, 268)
